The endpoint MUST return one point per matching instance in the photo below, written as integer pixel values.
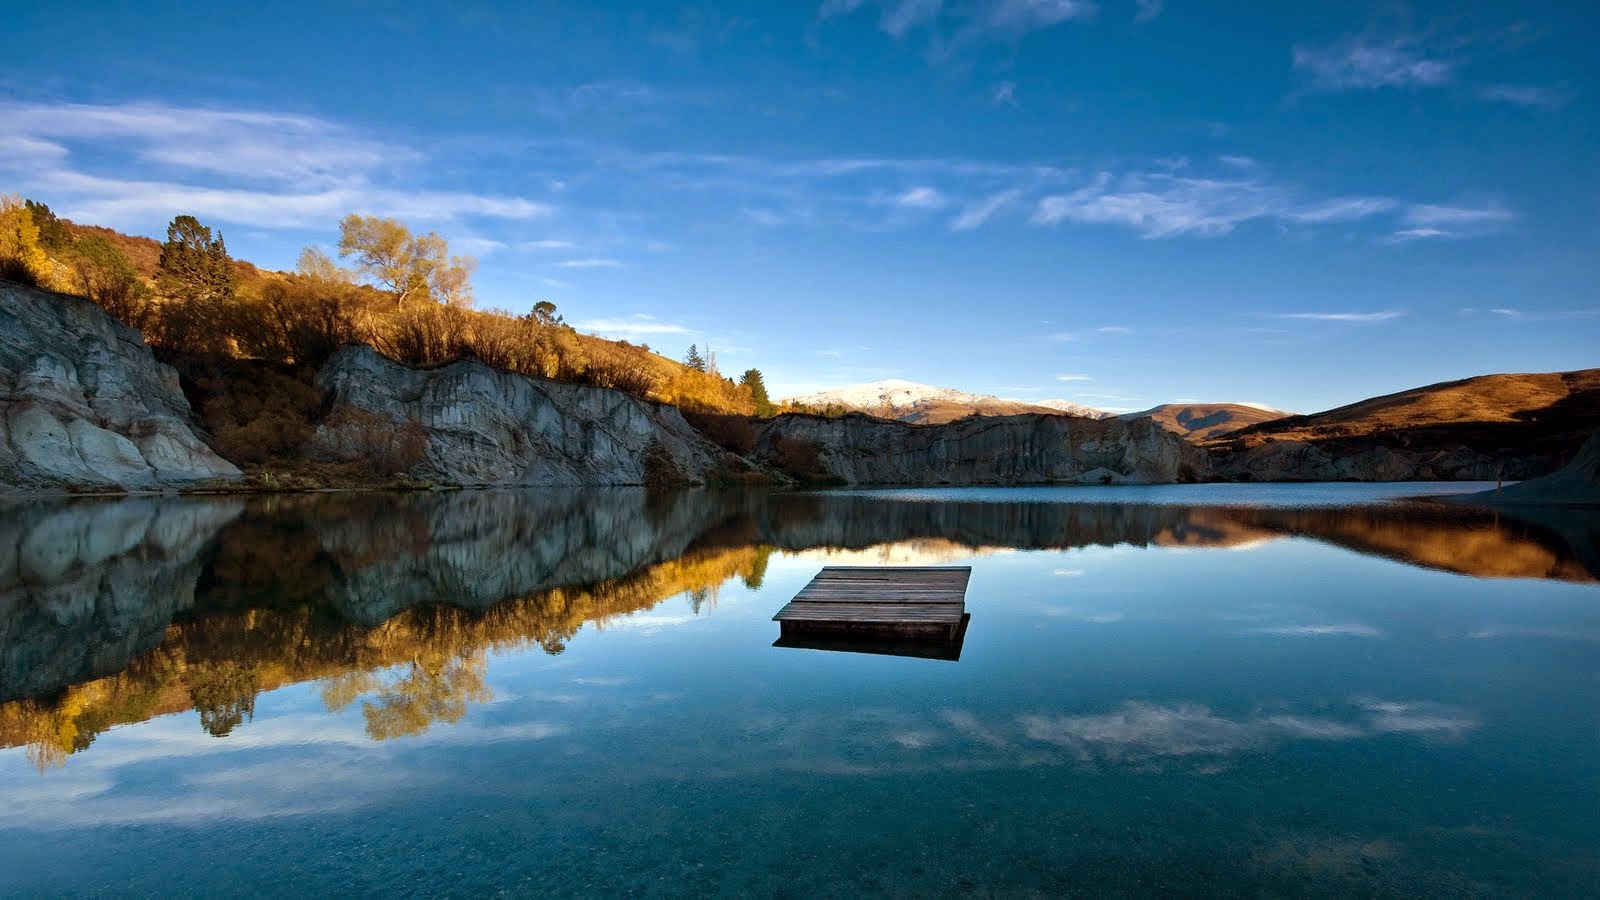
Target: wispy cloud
(635, 326)
(1163, 205)
(1005, 93)
(920, 197)
(1425, 221)
(1074, 378)
(591, 262)
(981, 211)
(1365, 63)
(1355, 317)
(263, 169)
(1524, 95)
(547, 244)
(1342, 209)
(1425, 215)
(952, 29)
(1113, 329)
(1148, 9)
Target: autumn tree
(752, 380)
(694, 360)
(320, 267)
(411, 267)
(21, 258)
(103, 274)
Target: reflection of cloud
(1417, 717)
(646, 623)
(1314, 728)
(1551, 632)
(915, 740)
(1067, 573)
(1141, 731)
(968, 726)
(1081, 615)
(1320, 631)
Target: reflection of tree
(225, 696)
(435, 689)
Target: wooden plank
(929, 601)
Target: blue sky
(1121, 202)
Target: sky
(1117, 202)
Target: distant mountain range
(925, 404)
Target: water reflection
(116, 612)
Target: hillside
(922, 404)
(1514, 425)
(1203, 421)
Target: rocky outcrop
(84, 406)
(1290, 460)
(474, 425)
(1576, 483)
(1028, 449)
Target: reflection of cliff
(85, 586)
(119, 611)
(1468, 541)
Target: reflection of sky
(1117, 662)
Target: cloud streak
(263, 169)
(1360, 318)
(1364, 63)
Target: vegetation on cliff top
(248, 341)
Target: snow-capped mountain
(926, 404)
(1074, 409)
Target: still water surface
(1279, 690)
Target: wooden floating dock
(879, 609)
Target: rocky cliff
(1576, 483)
(1291, 460)
(84, 406)
(1028, 449)
(474, 425)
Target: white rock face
(482, 426)
(84, 406)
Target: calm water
(1256, 690)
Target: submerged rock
(85, 406)
(469, 424)
(1027, 449)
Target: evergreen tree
(53, 233)
(196, 277)
(694, 360)
(758, 392)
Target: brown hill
(1523, 424)
(1204, 421)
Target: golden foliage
(218, 664)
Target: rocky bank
(473, 425)
(84, 406)
(1026, 449)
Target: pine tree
(53, 233)
(196, 276)
(694, 360)
(758, 392)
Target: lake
(1268, 689)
